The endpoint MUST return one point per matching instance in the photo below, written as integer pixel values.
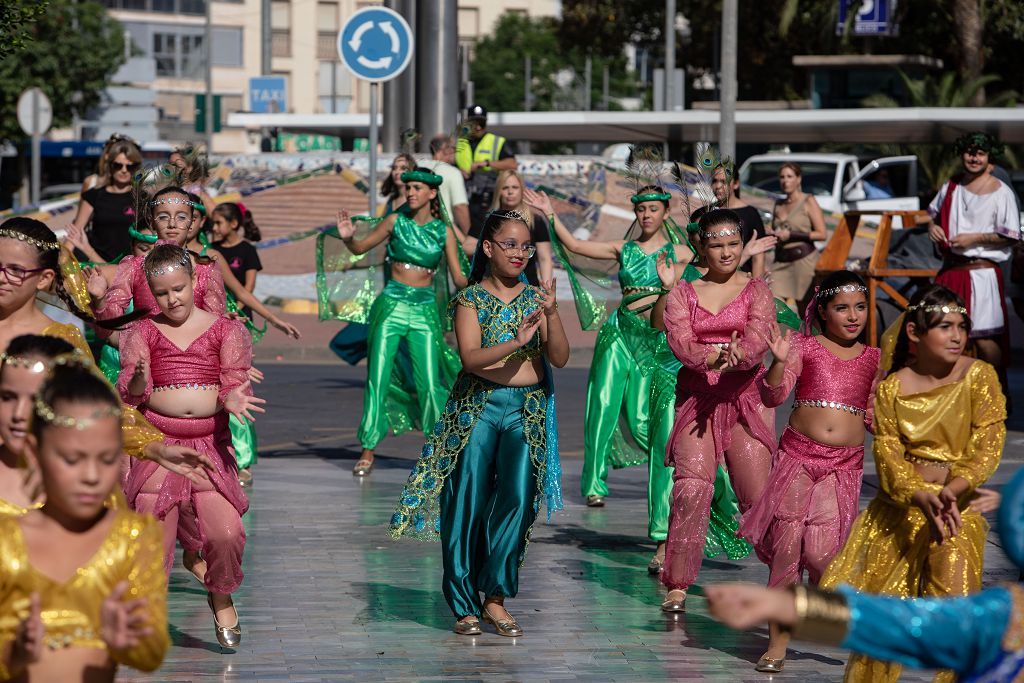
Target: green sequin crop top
(639, 270)
(421, 246)
(499, 321)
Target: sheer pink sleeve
(135, 347)
(119, 293)
(214, 297)
(759, 327)
(774, 396)
(679, 330)
(235, 358)
(869, 414)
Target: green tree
(70, 52)
(16, 16)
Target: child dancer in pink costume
(802, 520)
(189, 369)
(718, 327)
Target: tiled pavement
(328, 597)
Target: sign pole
(373, 147)
(36, 147)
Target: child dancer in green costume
(616, 371)
(494, 453)
(418, 238)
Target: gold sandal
(363, 467)
(770, 665)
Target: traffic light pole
(208, 50)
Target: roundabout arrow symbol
(357, 36)
(390, 32)
(382, 63)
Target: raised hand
(780, 344)
(734, 354)
(539, 201)
(95, 283)
(548, 302)
(759, 245)
(27, 645)
(528, 328)
(76, 237)
(140, 378)
(346, 228)
(666, 271)
(242, 405)
(123, 622)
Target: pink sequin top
(822, 377)
(130, 284)
(692, 331)
(221, 356)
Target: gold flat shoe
(362, 468)
(504, 627)
(227, 636)
(654, 568)
(770, 665)
(244, 478)
(674, 606)
(467, 628)
(595, 501)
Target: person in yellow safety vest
(480, 156)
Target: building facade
(303, 39)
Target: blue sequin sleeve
(964, 634)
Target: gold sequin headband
(46, 412)
(727, 232)
(937, 308)
(847, 289)
(33, 365)
(38, 244)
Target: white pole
(670, 54)
(36, 147)
(727, 102)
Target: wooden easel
(836, 252)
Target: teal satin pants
(487, 506)
(419, 324)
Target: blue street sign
(267, 94)
(375, 44)
(873, 18)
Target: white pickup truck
(837, 181)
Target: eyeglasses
(179, 218)
(119, 166)
(527, 250)
(16, 275)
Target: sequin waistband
(637, 290)
(411, 266)
(186, 385)
(925, 461)
(818, 403)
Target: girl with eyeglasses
(493, 454)
(417, 239)
(110, 206)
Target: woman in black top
(727, 191)
(110, 207)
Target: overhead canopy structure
(867, 125)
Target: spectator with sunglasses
(110, 206)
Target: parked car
(837, 181)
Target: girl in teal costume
(494, 453)
(620, 379)
(418, 238)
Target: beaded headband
(937, 308)
(650, 197)
(725, 232)
(174, 200)
(33, 365)
(426, 177)
(183, 262)
(38, 244)
(847, 289)
(140, 236)
(511, 213)
(46, 412)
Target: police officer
(480, 156)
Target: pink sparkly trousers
(804, 517)
(207, 517)
(715, 422)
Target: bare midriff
(828, 425)
(185, 402)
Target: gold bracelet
(821, 616)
